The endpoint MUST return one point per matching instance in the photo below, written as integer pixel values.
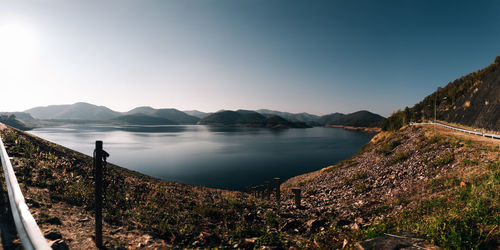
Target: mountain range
(248, 118)
(82, 112)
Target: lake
(220, 157)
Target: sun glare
(18, 46)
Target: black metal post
(98, 193)
(268, 191)
(296, 191)
(277, 184)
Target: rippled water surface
(222, 157)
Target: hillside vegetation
(361, 118)
(248, 118)
(141, 119)
(12, 121)
(471, 100)
(297, 117)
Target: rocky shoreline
(369, 130)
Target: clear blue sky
(298, 56)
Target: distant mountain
(298, 117)
(77, 111)
(247, 118)
(323, 120)
(197, 113)
(146, 110)
(142, 119)
(280, 122)
(472, 100)
(361, 118)
(172, 115)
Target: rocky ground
(387, 187)
(395, 173)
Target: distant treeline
(13, 122)
(443, 99)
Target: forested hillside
(472, 100)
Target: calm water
(221, 157)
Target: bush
(400, 156)
(269, 239)
(444, 159)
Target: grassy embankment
(58, 186)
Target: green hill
(247, 118)
(77, 111)
(173, 115)
(141, 119)
(361, 118)
(297, 117)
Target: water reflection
(224, 157)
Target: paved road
(459, 129)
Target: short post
(268, 191)
(296, 191)
(99, 155)
(277, 185)
(98, 193)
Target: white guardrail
(459, 129)
(28, 230)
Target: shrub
(384, 149)
(400, 156)
(269, 239)
(444, 159)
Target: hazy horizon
(212, 111)
(317, 57)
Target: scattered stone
(359, 220)
(83, 220)
(401, 240)
(32, 203)
(53, 235)
(206, 239)
(250, 217)
(291, 225)
(354, 226)
(248, 243)
(315, 225)
(54, 221)
(59, 245)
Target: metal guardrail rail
(460, 129)
(29, 232)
